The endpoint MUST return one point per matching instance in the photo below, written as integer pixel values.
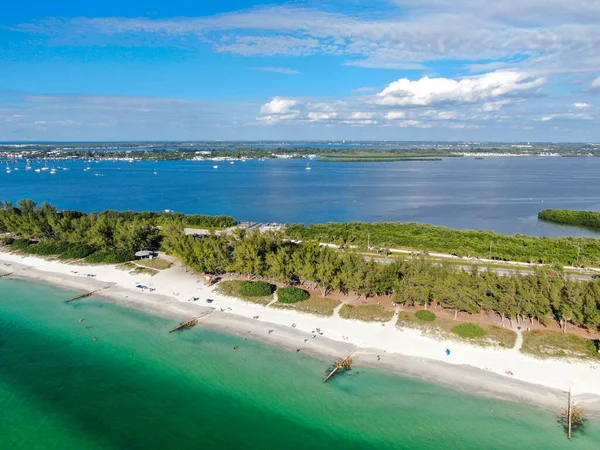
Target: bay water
(135, 386)
(502, 194)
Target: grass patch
(319, 306)
(157, 263)
(233, 288)
(441, 328)
(469, 331)
(292, 294)
(425, 315)
(555, 344)
(366, 313)
(132, 268)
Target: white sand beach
(407, 351)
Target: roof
(143, 253)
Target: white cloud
(362, 115)
(279, 105)
(581, 105)
(431, 91)
(282, 70)
(321, 116)
(596, 83)
(544, 35)
(394, 115)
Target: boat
(98, 174)
(53, 170)
(27, 166)
(38, 170)
(45, 166)
(8, 168)
(155, 172)
(308, 166)
(215, 167)
(231, 162)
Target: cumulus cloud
(431, 91)
(581, 105)
(279, 105)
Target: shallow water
(138, 387)
(502, 194)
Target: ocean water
(502, 194)
(139, 387)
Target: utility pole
(491, 249)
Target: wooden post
(337, 366)
(569, 414)
(190, 323)
(88, 294)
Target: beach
(406, 351)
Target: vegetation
(292, 294)
(553, 344)
(156, 263)
(544, 296)
(425, 315)
(319, 306)
(256, 289)
(366, 313)
(589, 219)
(469, 330)
(373, 158)
(421, 237)
(442, 327)
(232, 288)
(109, 237)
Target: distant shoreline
(402, 351)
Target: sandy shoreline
(400, 350)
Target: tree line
(589, 219)
(481, 244)
(543, 296)
(123, 233)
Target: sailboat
(308, 166)
(27, 166)
(45, 165)
(8, 168)
(53, 170)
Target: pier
(190, 323)
(87, 294)
(341, 364)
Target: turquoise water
(498, 194)
(138, 387)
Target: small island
(587, 219)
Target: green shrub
(425, 315)
(292, 295)
(20, 244)
(256, 288)
(111, 256)
(469, 330)
(76, 251)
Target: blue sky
(379, 69)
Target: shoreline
(403, 351)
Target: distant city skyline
(395, 70)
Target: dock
(190, 323)
(87, 294)
(340, 364)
